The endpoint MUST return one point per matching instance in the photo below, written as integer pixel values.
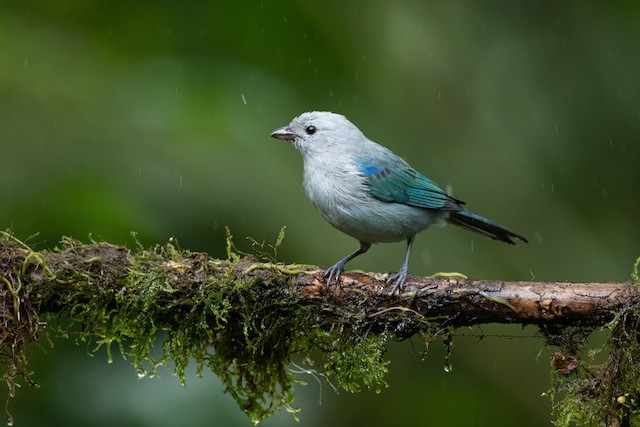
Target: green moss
(20, 325)
(356, 361)
(588, 394)
(241, 319)
(584, 393)
(175, 307)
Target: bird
(366, 191)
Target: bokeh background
(155, 117)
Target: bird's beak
(283, 133)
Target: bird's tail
(481, 225)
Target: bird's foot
(399, 278)
(334, 272)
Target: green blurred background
(155, 117)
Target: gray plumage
(369, 193)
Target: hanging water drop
(448, 342)
(448, 367)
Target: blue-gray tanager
(367, 192)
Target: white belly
(350, 208)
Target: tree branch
(464, 302)
(244, 318)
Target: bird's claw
(399, 279)
(333, 272)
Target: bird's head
(319, 132)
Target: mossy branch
(244, 318)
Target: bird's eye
(310, 130)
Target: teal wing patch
(399, 183)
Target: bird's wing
(393, 180)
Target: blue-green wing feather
(395, 181)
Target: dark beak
(283, 133)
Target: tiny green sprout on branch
(635, 273)
(262, 253)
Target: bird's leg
(336, 269)
(401, 276)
